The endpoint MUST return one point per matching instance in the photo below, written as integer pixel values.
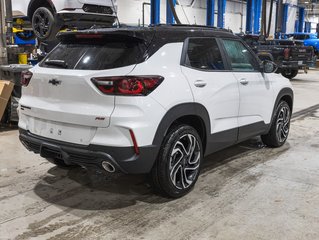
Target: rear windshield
(96, 54)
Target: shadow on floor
(93, 190)
(298, 80)
(8, 127)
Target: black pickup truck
(289, 55)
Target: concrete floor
(244, 192)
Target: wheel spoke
(186, 180)
(196, 159)
(192, 144)
(174, 173)
(182, 147)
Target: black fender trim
(282, 93)
(176, 112)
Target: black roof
(167, 33)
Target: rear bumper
(295, 64)
(124, 159)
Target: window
(240, 57)
(204, 54)
(97, 54)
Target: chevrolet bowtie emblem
(55, 82)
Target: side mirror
(268, 66)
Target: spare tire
(44, 24)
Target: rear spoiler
(139, 34)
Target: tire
(44, 24)
(166, 176)
(280, 125)
(60, 163)
(290, 74)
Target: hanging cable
(179, 3)
(118, 20)
(270, 18)
(171, 5)
(264, 20)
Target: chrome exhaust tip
(107, 166)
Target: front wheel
(280, 125)
(44, 24)
(178, 165)
(290, 74)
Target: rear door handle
(200, 83)
(243, 81)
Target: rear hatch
(61, 95)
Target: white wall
(314, 20)
(130, 11)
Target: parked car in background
(289, 55)
(49, 16)
(151, 100)
(309, 39)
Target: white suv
(49, 16)
(151, 100)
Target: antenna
(118, 20)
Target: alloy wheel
(41, 23)
(282, 124)
(185, 161)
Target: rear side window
(241, 59)
(204, 54)
(96, 55)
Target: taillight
(127, 85)
(26, 77)
(286, 53)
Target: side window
(240, 57)
(204, 54)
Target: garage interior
(247, 191)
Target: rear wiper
(57, 63)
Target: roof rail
(190, 25)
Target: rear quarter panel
(165, 62)
(146, 113)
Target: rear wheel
(44, 24)
(177, 168)
(290, 74)
(279, 129)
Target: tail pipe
(107, 166)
